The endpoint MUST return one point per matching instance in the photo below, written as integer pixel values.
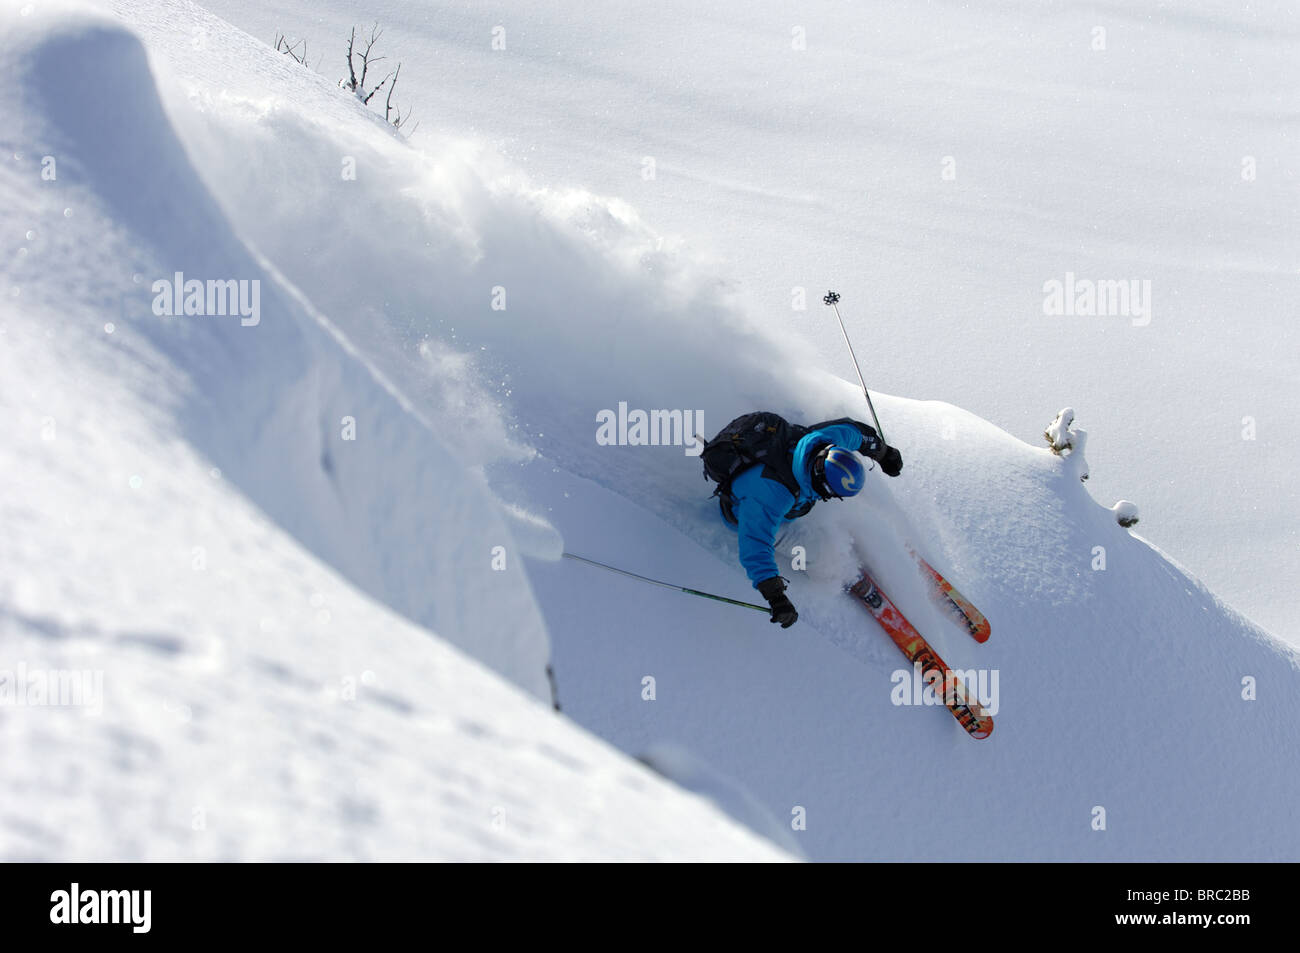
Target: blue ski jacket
(761, 505)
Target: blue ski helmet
(841, 474)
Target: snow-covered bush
(1126, 513)
(1065, 441)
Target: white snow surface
(809, 147)
(284, 645)
(190, 544)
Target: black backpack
(761, 438)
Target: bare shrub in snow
(282, 45)
(362, 54)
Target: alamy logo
(1128, 298)
(919, 686)
(102, 906)
(177, 296)
(24, 687)
(655, 428)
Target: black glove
(773, 590)
(871, 445)
(891, 461)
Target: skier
(760, 462)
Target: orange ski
(958, 606)
(969, 713)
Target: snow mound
(278, 401)
(217, 581)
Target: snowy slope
(270, 401)
(1119, 688)
(600, 310)
(805, 147)
(192, 549)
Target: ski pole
(832, 299)
(666, 585)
